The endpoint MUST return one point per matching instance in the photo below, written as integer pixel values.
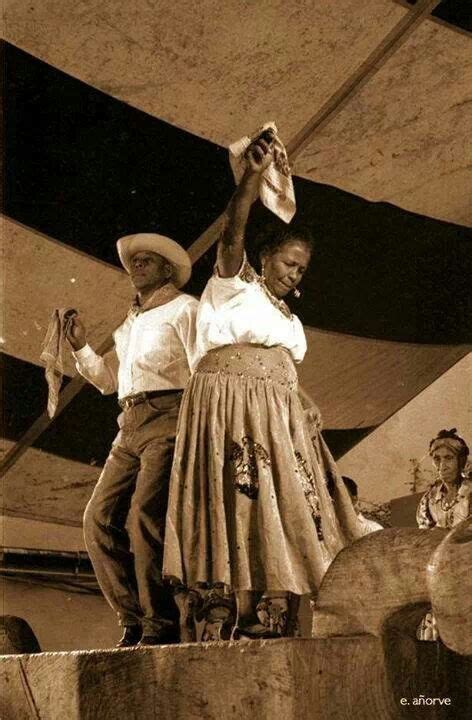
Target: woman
(249, 508)
(448, 501)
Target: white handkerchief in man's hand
(53, 354)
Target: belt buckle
(130, 402)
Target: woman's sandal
(254, 632)
(215, 607)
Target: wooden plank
(357, 677)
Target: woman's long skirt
(248, 503)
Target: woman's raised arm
(231, 243)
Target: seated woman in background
(249, 509)
(448, 501)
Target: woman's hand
(76, 334)
(260, 153)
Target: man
(368, 526)
(149, 367)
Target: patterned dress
(434, 511)
(249, 507)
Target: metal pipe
(34, 571)
(80, 554)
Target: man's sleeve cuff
(85, 355)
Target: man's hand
(76, 334)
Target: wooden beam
(371, 65)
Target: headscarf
(451, 440)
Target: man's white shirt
(154, 350)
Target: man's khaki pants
(124, 521)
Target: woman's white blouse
(238, 310)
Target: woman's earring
(262, 271)
(296, 292)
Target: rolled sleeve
(85, 355)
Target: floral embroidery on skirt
(245, 458)
(308, 485)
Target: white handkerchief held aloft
(276, 189)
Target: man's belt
(132, 400)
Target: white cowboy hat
(164, 246)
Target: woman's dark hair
(351, 486)
(349, 483)
(273, 235)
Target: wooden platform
(349, 678)
(364, 662)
